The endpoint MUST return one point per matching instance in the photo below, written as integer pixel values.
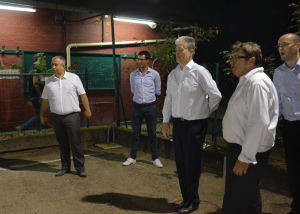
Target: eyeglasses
(284, 45)
(141, 59)
(234, 58)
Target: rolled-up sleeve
(157, 83)
(132, 85)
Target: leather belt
(145, 104)
(235, 145)
(295, 122)
(180, 119)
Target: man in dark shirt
(34, 97)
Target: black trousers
(242, 193)
(188, 138)
(67, 130)
(150, 114)
(292, 155)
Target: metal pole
(87, 93)
(216, 112)
(122, 105)
(115, 70)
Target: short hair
(250, 50)
(146, 53)
(188, 42)
(62, 60)
(294, 37)
(35, 57)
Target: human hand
(240, 168)
(166, 130)
(40, 100)
(43, 120)
(88, 113)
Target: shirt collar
(297, 65)
(64, 76)
(138, 70)
(252, 72)
(189, 65)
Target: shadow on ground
(131, 202)
(26, 165)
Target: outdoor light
(3, 49)
(138, 21)
(18, 8)
(17, 50)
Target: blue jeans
(150, 114)
(36, 119)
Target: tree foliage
(165, 50)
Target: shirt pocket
(190, 85)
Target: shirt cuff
(245, 160)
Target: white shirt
(188, 91)
(252, 114)
(63, 93)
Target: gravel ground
(28, 185)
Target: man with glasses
(145, 83)
(192, 95)
(249, 127)
(287, 82)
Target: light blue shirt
(287, 83)
(145, 87)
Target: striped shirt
(145, 87)
(287, 83)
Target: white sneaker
(157, 163)
(129, 161)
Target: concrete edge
(274, 180)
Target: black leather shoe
(179, 206)
(82, 173)
(188, 208)
(62, 172)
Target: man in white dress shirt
(249, 127)
(287, 82)
(192, 95)
(61, 93)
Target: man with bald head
(287, 82)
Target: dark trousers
(188, 138)
(242, 193)
(35, 120)
(292, 156)
(149, 113)
(67, 130)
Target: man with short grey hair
(192, 95)
(61, 94)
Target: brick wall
(39, 31)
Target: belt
(145, 104)
(180, 119)
(235, 145)
(295, 122)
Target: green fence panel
(100, 68)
